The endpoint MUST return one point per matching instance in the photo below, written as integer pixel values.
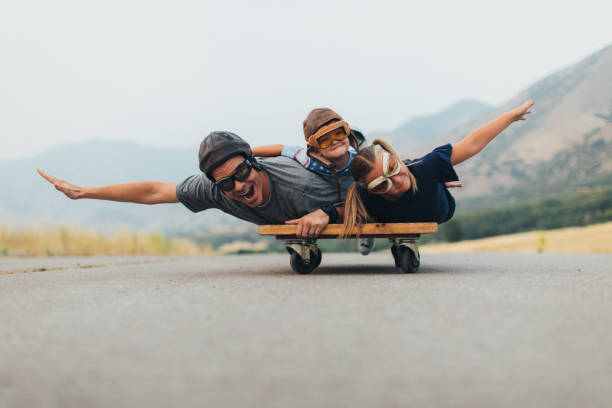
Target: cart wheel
(407, 260)
(316, 257)
(395, 256)
(299, 266)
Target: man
(269, 191)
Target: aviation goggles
(326, 135)
(240, 173)
(382, 184)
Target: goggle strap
(385, 163)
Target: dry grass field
(593, 239)
(62, 241)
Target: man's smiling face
(253, 191)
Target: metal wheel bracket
(407, 242)
(302, 247)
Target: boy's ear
(312, 150)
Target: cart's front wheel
(299, 266)
(408, 260)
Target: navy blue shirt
(431, 203)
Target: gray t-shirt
(294, 192)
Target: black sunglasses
(241, 173)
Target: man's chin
(254, 201)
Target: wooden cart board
(306, 256)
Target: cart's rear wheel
(299, 266)
(395, 256)
(408, 260)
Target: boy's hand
(65, 187)
(310, 225)
(518, 112)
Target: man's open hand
(65, 187)
(310, 225)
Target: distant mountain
(26, 198)
(565, 144)
(422, 130)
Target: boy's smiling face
(336, 150)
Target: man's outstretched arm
(145, 192)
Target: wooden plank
(416, 236)
(367, 230)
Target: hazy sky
(167, 73)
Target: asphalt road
(468, 330)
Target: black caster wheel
(317, 257)
(395, 256)
(299, 266)
(407, 260)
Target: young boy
(330, 147)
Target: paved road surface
(503, 330)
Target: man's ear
(255, 164)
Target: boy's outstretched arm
(146, 192)
(268, 150)
(478, 139)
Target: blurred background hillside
(97, 106)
